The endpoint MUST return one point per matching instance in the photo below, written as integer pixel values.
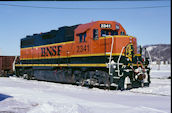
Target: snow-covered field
(18, 95)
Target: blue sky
(148, 25)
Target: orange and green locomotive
(96, 54)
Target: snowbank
(23, 96)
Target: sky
(148, 25)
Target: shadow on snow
(3, 97)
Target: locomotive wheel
(92, 80)
(89, 79)
(146, 80)
(127, 83)
(104, 80)
(124, 83)
(26, 76)
(77, 77)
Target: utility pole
(159, 60)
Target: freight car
(7, 65)
(96, 54)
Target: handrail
(149, 57)
(14, 63)
(111, 55)
(118, 62)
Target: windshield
(108, 32)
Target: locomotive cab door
(98, 46)
(107, 35)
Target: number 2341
(82, 48)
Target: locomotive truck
(96, 54)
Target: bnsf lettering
(52, 51)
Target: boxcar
(7, 65)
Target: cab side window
(95, 34)
(122, 33)
(115, 32)
(85, 37)
(102, 33)
(105, 33)
(82, 37)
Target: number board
(105, 25)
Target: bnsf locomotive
(96, 54)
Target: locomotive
(96, 54)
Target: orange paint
(90, 47)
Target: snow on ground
(160, 71)
(160, 84)
(18, 95)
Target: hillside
(160, 52)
